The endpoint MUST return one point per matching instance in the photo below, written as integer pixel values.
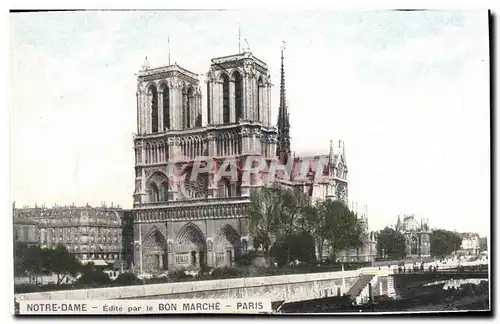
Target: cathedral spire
(283, 148)
(331, 153)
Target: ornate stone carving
(340, 171)
(177, 84)
(170, 141)
(210, 136)
(245, 132)
(209, 77)
(151, 171)
(194, 189)
(341, 191)
(248, 68)
(137, 186)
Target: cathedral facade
(183, 121)
(417, 236)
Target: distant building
(25, 230)
(128, 238)
(470, 243)
(88, 232)
(417, 235)
(368, 251)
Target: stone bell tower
(168, 101)
(239, 89)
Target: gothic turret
(399, 225)
(283, 148)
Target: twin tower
(171, 98)
(224, 113)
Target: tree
(28, 260)
(92, 275)
(19, 255)
(275, 215)
(316, 224)
(126, 279)
(263, 217)
(444, 242)
(342, 227)
(292, 207)
(483, 244)
(391, 244)
(296, 246)
(61, 262)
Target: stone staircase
(391, 292)
(359, 291)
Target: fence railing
(442, 268)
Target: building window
(164, 191)
(166, 107)
(154, 193)
(225, 99)
(209, 111)
(189, 104)
(238, 95)
(260, 88)
(154, 109)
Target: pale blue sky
(408, 92)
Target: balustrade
(233, 207)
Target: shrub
(179, 275)
(204, 273)
(26, 288)
(127, 279)
(93, 277)
(246, 260)
(229, 272)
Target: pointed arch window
(189, 104)
(164, 191)
(166, 106)
(154, 109)
(225, 99)
(260, 99)
(209, 106)
(154, 193)
(238, 95)
(229, 189)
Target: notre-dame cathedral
(223, 113)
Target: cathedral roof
(313, 164)
(238, 57)
(157, 71)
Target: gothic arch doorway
(190, 247)
(227, 246)
(154, 251)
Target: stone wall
(289, 287)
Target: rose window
(194, 188)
